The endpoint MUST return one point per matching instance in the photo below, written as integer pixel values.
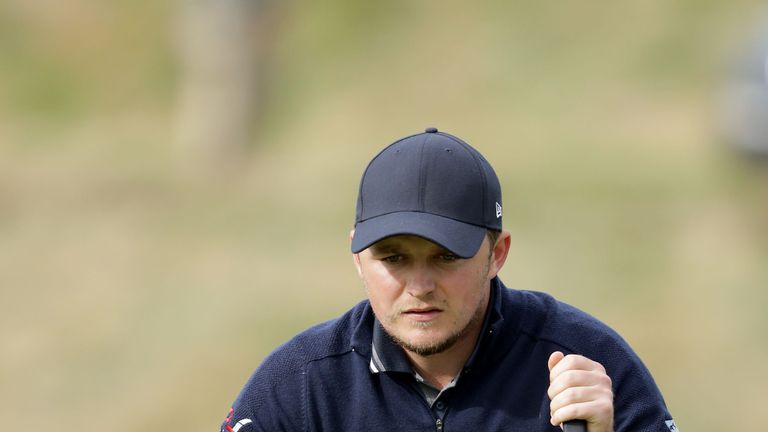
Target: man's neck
(441, 368)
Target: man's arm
(271, 400)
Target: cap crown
(434, 173)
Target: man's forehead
(403, 241)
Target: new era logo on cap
(432, 185)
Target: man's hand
(579, 388)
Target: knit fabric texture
(320, 380)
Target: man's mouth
(422, 314)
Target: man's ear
(356, 257)
(499, 253)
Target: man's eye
(449, 257)
(392, 259)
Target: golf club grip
(575, 426)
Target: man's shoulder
(544, 317)
(280, 375)
(330, 338)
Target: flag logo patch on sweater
(671, 425)
(228, 428)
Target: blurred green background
(145, 271)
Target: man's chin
(425, 346)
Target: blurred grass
(135, 298)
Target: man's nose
(421, 281)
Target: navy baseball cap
(432, 185)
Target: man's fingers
(577, 395)
(572, 362)
(579, 388)
(578, 379)
(591, 410)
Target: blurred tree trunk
(218, 48)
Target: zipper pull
(439, 425)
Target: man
(441, 344)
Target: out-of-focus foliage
(137, 297)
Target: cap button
(430, 130)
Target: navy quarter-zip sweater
(321, 380)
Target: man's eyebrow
(383, 247)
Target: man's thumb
(554, 359)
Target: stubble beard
(439, 346)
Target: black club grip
(575, 426)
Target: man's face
(425, 297)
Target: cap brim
(460, 238)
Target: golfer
(441, 344)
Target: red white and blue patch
(227, 427)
